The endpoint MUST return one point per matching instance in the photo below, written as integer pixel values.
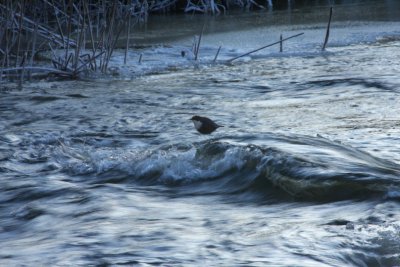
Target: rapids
(109, 171)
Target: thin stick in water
(216, 55)
(198, 43)
(327, 30)
(21, 78)
(258, 49)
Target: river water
(305, 172)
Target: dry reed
(261, 48)
(327, 30)
(66, 30)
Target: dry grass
(80, 35)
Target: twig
(21, 78)
(108, 40)
(68, 30)
(251, 52)
(111, 48)
(57, 10)
(86, 8)
(39, 69)
(80, 38)
(90, 60)
(58, 21)
(33, 46)
(43, 31)
(216, 55)
(327, 30)
(198, 43)
(66, 62)
(22, 8)
(129, 30)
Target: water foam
(222, 167)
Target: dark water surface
(305, 171)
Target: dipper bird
(204, 125)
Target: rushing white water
(305, 171)
(166, 58)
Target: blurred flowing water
(305, 171)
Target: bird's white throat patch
(197, 124)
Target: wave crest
(321, 171)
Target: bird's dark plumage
(204, 125)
